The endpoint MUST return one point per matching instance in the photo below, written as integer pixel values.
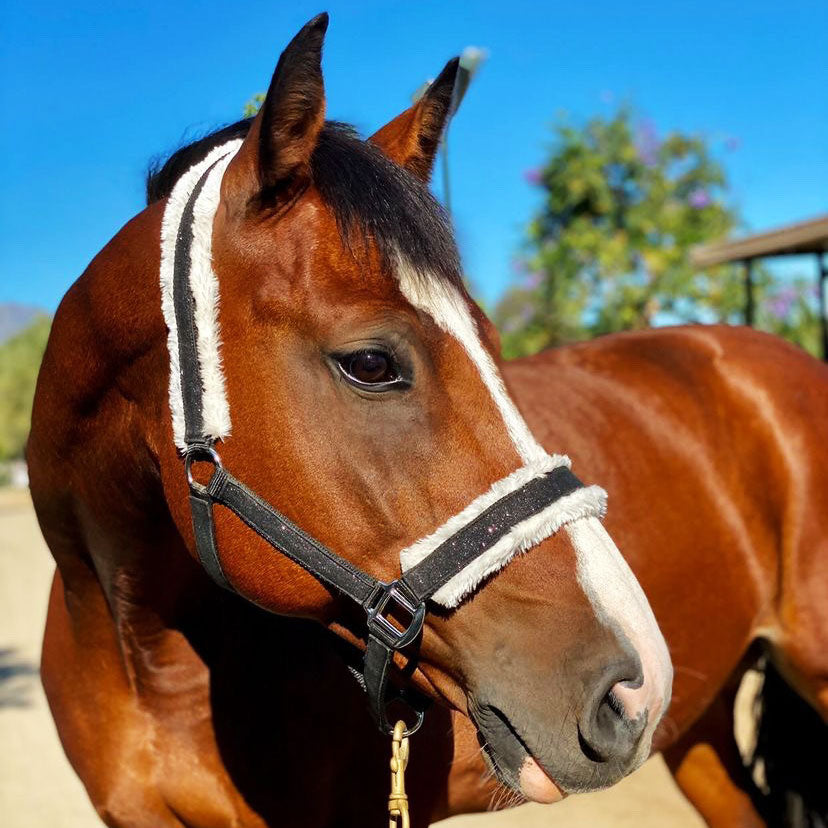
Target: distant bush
(20, 359)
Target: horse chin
(528, 778)
(510, 759)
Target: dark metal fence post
(749, 312)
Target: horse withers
(348, 379)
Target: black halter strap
(406, 595)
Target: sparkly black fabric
(458, 551)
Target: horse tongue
(536, 785)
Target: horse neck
(100, 420)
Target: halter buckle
(376, 605)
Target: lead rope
(398, 800)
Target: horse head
(367, 405)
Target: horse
(369, 402)
(361, 387)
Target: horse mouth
(509, 757)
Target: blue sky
(91, 90)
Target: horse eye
(372, 369)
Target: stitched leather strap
(379, 659)
(184, 307)
(421, 581)
(284, 535)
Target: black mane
(161, 177)
(366, 191)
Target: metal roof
(803, 237)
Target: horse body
(713, 438)
(712, 442)
(179, 704)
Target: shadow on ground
(18, 678)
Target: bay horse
(367, 404)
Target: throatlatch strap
(201, 508)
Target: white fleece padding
(204, 285)
(585, 502)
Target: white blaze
(618, 599)
(444, 304)
(608, 582)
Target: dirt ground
(39, 790)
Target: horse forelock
(373, 200)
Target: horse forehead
(301, 259)
(302, 256)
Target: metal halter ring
(409, 731)
(199, 453)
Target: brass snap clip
(398, 800)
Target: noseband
(502, 521)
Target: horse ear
(412, 138)
(277, 150)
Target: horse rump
(789, 762)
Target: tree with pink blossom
(608, 248)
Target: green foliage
(609, 248)
(253, 105)
(792, 312)
(20, 359)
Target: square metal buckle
(378, 625)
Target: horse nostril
(629, 697)
(614, 703)
(612, 727)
